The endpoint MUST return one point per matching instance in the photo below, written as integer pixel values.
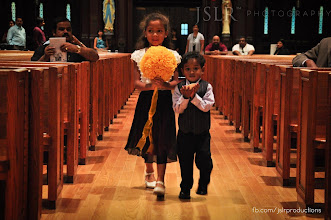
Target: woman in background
(4, 37)
(281, 49)
(175, 39)
(195, 41)
(99, 43)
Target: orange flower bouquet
(158, 61)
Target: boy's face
(192, 70)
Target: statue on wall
(109, 14)
(226, 16)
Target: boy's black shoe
(202, 190)
(184, 195)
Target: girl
(155, 29)
(99, 43)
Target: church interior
(66, 122)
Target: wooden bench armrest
(294, 128)
(46, 141)
(320, 143)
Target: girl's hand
(160, 83)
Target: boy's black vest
(193, 120)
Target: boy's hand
(185, 92)
(195, 90)
(189, 91)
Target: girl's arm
(95, 43)
(138, 84)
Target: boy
(193, 99)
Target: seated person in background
(216, 47)
(77, 51)
(281, 49)
(318, 56)
(243, 48)
(99, 42)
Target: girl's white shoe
(150, 185)
(158, 190)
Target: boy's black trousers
(189, 144)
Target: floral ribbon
(147, 131)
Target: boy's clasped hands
(189, 91)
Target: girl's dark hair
(39, 20)
(142, 40)
(282, 40)
(103, 34)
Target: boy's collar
(188, 82)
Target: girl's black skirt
(163, 130)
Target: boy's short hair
(193, 55)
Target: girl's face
(155, 33)
(11, 23)
(100, 33)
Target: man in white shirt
(243, 48)
(16, 35)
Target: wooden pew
(328, 160)
(83, 104)
(259, 96)
(84, 109)
(13, 141)
(71, 73)
(94, 97)
(11, 55)
(49, 85)
(287, 124)
(212, 67)
(240, 69)
(312, 123)
(271, 112)
(115, 86)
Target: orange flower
(158, 61)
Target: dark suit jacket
(320, 54)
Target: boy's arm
(206, 102)
(179, 103)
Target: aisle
(111, 185)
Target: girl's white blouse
(137, 55)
